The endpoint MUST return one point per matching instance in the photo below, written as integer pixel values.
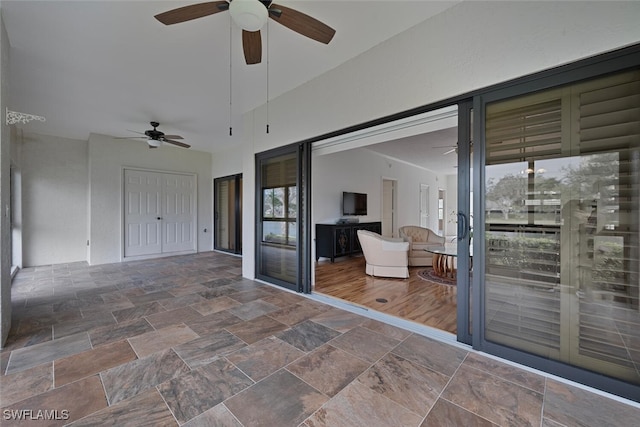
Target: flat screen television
(354, 203)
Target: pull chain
(268, 44)
(230, 76)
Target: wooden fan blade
(179, 144)
(187, 13)
(252, 46)
(131, 137)
(301, 23)
(173, 136)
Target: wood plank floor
(414, 299)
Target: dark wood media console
(335, 240)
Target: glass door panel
(562, 224)
(278, 226)
(228, 214)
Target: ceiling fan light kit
(250, 15)
(154, 143)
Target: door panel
(228, 213)
(278, 208)
(562, 215)
(142, 210)
(179, 213)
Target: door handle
(159, 217)
(463, 228)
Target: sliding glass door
(227, 208)
(282, 255)
(562, 225)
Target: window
(279, 211)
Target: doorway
(400, 167)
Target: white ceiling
(109, 67)
(431, 151)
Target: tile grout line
(445, 387)
(157, 389)
(544, 401)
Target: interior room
(249, 213)
(422, 166)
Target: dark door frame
(237, 211)
(303, 215)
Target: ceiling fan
(155, 138)
(452, 149)
(251, 15)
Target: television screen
(354, 203)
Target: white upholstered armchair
(384, 256)
(419, 239)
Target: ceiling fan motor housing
(153, 133)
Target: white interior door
(178, 218)
(142, 207)
(159, 213)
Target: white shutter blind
(531, 131)
(610, 118)
(568, 288)
(280, 174)
(609, 133)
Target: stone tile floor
(187, 341)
